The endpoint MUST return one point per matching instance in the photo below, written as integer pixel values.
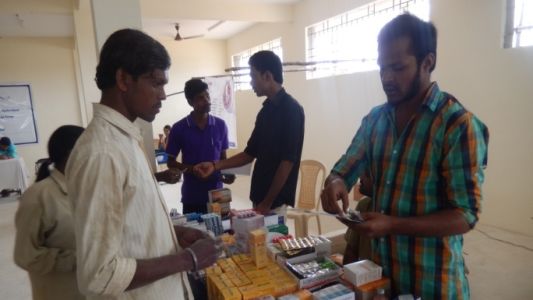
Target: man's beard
(413, 89)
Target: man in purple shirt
(199, 137)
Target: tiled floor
(500, 262)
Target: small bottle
(380, 295)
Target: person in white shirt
(44, 241)
(127, 246)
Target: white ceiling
(32, 21)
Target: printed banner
(17, 119)
(223, 104)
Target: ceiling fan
(178, 36)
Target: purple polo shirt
(197, 145)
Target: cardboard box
(362, 272)
(369, 290)
(223, 198)
(300, 295)
(334, 292)
(318, 279)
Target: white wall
(496, 84)
(48, 65)
(190, 58)
(492, 82)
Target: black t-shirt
(278, 135)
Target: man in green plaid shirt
(426, 154)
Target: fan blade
(215, 25)
(192, 37)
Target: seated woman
(163, 138)
(45, 244)
(7, 149)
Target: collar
(276, 100)
(59, 178)
(210, 120)
(432, 99)
(118, 120)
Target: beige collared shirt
(120, 214)
(44, 243)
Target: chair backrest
(312, 175)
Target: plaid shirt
(436, 163)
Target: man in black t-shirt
(276, 141)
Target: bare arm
(150, 270)
(282, 173)
(226, 178)
(236, 160)
(205, 169)
(204, 247)
(172, 163)
(443, 223)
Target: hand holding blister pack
(351, 216)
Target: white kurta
(44, 243)
(120, 214)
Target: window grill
(347, 43)
(239, 62)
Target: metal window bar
(326, 39)
(518, 24)
(236, 74)
(509, 24)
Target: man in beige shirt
(127, 247)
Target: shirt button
(382, 240)
(394, 152)
(382, 211)
(388, 181)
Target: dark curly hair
(133, 51)
(266, 60)
(194, 87)
(423, 35)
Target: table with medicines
(261, 261)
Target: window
(347, 43)
(518, 24)
(240, 61)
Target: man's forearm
(150, 270)
(332, 176)
(173, 163)
(236, 160)
(443, 223)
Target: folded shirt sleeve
(31, 252)
(463, 166)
